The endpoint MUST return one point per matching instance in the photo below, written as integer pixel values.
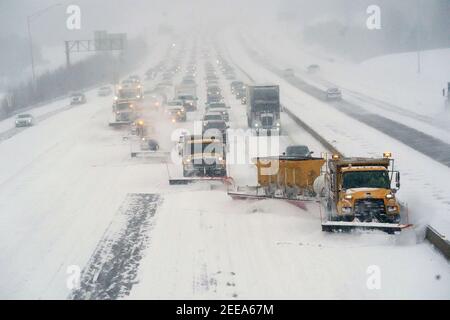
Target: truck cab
(124, 111)
(130, 90)
(263, 107)
(203, 157)
(189, 101)
(360, 188)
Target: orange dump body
(288, 171)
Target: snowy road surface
(71, 195)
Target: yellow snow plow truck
(359, 193)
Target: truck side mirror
(397, 180)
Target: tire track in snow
(112, 269)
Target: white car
(288, 73)
(333, 94)
(104, 91)
(77, 98)
(24, 120)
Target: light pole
(29, 20)
(418, 36)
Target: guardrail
(438, 241)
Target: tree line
(101, 68)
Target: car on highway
(77, 98)
(218, 107)
(212, 82)
(236, 85)
(212, 98)
(189, 77)
(104, 91)
(288, 73)
(212, 115)
(333, 94)
(188, 82)
(24, 120)
(176, 111)
(189, 101)
(240, 93)
(313, 68)
(176, 114)
(215, 128)
(230, 76)
(149, 144)
(298, 151)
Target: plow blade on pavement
(118, 124)
(343, 226)
(188, 180)
(150, 154)
(257, 193)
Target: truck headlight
(392, 209)
(187, 161)
(348, 197)
(389, 196)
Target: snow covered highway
(120, 191)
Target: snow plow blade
(150, 154)
(342, 226)
(254, 194)
(188, 180)
(119, 124)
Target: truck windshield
(127, 94)
(217, 105)
(300, 151)
(266, 107)
(123, 106)
(206, 147)
(366, 179)
(265, 94)
(185, 97)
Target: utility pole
(30, 38)
(418, 36)
(33, 75)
